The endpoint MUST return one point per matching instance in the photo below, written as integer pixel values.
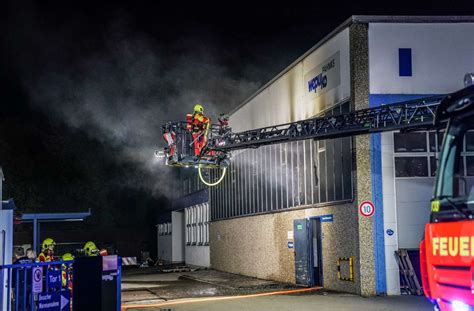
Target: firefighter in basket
(198, 124)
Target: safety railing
(42, 286)
(24, 284)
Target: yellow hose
(208, 183)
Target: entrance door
(316, 250)
(303, 272)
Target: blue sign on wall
(290, 244)
(54, 279)
(54, 301)
(326, 218)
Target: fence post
(119, 283)
(25, 277)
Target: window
(469, 166)
(164, 229)
(433, 166)
(334, 164)
(197, 224)
(286, 175)
(470, 142)
(416, 154)
(411, 166)
(435, 141)
(410, 142)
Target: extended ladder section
(418, 114)
(409, 115)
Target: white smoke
(122, 94)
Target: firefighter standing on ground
(66, 271)
(90, 249)
(198, 124)
(47, 250)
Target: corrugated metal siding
(276, 177)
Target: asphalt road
(308, 302)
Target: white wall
(177, 221)
(198, 255)
(289, 98)
(197, 219)
(389, 214)
(441, 55)
(413, 209)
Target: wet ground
(148, 289)
(150, 286)
(308, 302)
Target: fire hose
(224, 170)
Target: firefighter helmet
(198, 108)
(67, 256)
(48, 244)
(91, 249)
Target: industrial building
(283, 206)
(183, 234)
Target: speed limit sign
(367, 209)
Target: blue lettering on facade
(320, 81)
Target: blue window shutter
(404, 62)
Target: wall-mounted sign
(324, 77)
(326, 218)
(37, 279)
(367, 209)
(54, 301)
(390, 232)
(290, 244)
(54, 280)
(290, 235)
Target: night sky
(85, 88)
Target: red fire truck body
(447, 251)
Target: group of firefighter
(47, 255)
(198, 125)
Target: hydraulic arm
(415, 114)
(411, 115)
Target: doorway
(308, 251)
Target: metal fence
(32, 286)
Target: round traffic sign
(367, 209)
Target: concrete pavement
(147, 289)
(306, 302)
(149, 286)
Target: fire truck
(447, 250)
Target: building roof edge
(361, 19)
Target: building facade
(183, 233)
(282, 206)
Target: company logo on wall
(324, 77)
